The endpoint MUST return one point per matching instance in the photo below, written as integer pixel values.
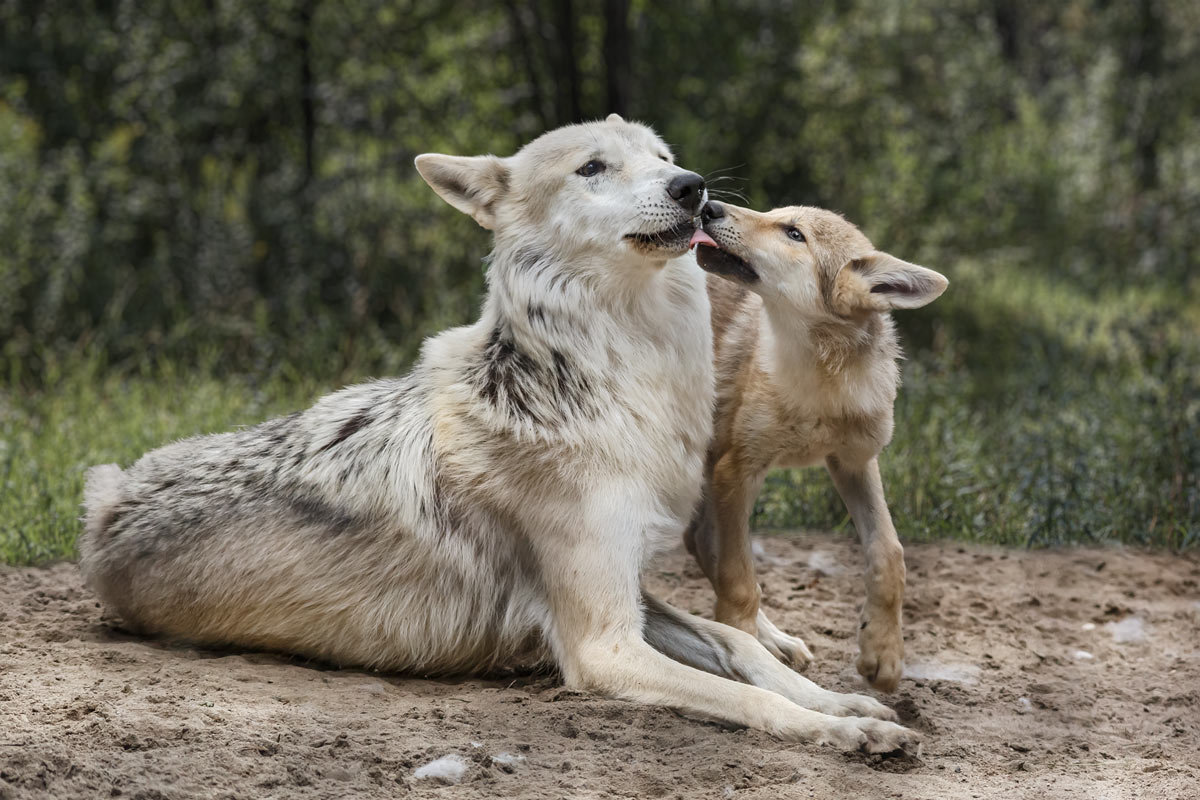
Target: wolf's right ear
(614, 117)
(473, 185)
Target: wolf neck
(801, 350)
(547, 304)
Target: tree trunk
(570, 107)
(616, 55)
(1146, 67)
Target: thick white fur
(500, 501)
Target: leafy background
(209, 214)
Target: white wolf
(500, 501)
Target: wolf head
(812, 260)
(607, 191)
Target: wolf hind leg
(880, 636)
(719, 540)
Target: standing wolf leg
(880, 642)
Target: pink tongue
(700, 237)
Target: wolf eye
(591, 168)
(795, 235)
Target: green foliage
(222, 189)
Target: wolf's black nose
(687, 190)
(712, 210)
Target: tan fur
(805, 362)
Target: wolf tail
(102, 493)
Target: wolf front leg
(732, 653)
(591, 577)
(880, 641)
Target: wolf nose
(712, 210)
(687, 190)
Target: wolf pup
(805, 356)
(499, 502)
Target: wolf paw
(791, 650)
(854, 705)
(872, 736)
(881, 655)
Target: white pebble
(1023, 705)
(1082, 655)
(1089, 626)
(937, 671)
(447, 769)
(508, 759)
(1127, 631)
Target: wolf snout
(687, 189)
(712, 211)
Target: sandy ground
(1070, 674)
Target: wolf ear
(473, 185)
(614, 118)
(880, 282)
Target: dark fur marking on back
(348, 429)
(320, 514)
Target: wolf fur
(805, 354)
(498, 503)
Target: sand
(1062, 674)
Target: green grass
(1030, 415)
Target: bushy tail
(102, 492)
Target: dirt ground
(1068, 674)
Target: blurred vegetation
(209, 214)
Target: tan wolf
(805, 358)
(498, 503)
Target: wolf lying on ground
(805, 373)
(500, 501)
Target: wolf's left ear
(880, 282)
(614, 118)
(473, 185)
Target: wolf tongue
(702, 238)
